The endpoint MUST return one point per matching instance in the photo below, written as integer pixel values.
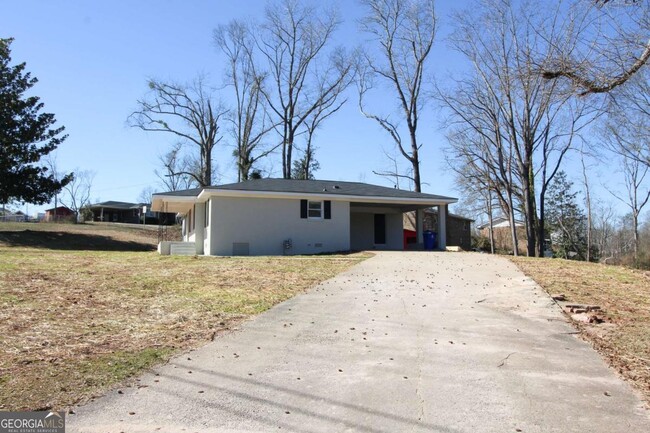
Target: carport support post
(419, 228)
(442, 227)
(199, 226)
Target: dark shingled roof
(114, 205)
(325, 187)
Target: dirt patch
(75, 322)
(624, 298)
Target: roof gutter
(208, 193)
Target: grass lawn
(76, 316)
(624, 296)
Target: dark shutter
(303, 209)
(328, 209)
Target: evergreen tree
(26, 135)
(565, 220)
(304, 168)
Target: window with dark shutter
(328, 209)
(303, 209)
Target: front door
(380, 229)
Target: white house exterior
(281, 216)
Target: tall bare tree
(76, 194)
(189, 112)
(249, 119)
(528, 124)
(176, 169)
(588, 205)
(403, 32)
(627, 128)
(613, 45)
(301, 77)
(637, 196)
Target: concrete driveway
(404, 342)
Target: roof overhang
(181, 204)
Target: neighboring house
(286, 216)
(124, 212)
(459, 228)
(60, 213)
(502, 234)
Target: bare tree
(586, 186)
(604, 220)
(249, 117)
(636, 198)
(175, 174)
(189, 112)
(51, 163)
(146, 194)
(292, 42)
(394, 173)
(627, 128)
(475, 181)
(527, 124)
(613, 45)
(404, 32)
(478, 153)
(76, 194)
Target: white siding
(264, 224)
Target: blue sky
(93, 59)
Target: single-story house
(124, 212)
(288, 216)
(59, 213)
(459, 228)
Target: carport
(380, 226)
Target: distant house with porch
(125, 212)
(289, 216)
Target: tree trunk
(491, 222)
(635, 222)
(588, 226)
(513, 227)
(415, 161)
(206, 176)
(541, 229)
(288, 150)
(531, 212)
(585, 180)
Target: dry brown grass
(623, 294)
(73, 323)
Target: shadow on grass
(69, 241)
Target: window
(315, 210)
(206, 223)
